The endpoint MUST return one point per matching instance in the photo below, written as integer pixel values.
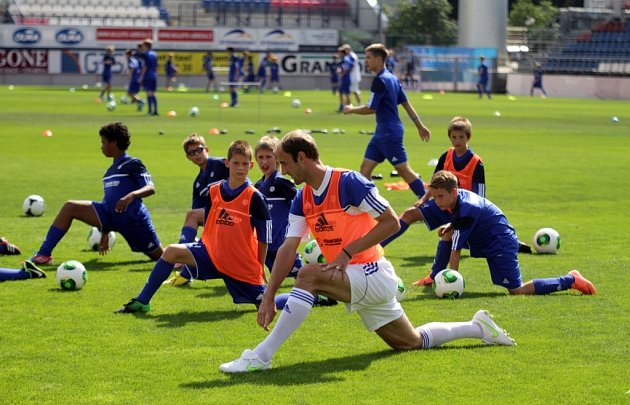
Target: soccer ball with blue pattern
(448, 284)
(546, 240)
(313, 253)
(34, 206)
(71, 275)
(194, 112)
(296, 103)
(94, 239)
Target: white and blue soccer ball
(546, 240)
(34, 206)
(296, 103)
(111, 105)
(71, 275)
(125, 100)
(94, 239)
(313, 253)
(448, 283)
(194, 112)
(401, 290)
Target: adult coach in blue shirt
(149, 75)
(387, 142)
(126, 182)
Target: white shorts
(354, 87)
(373, 289)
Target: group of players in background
(357, 273)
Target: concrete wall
(594, 87)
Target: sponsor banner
(438, 63)
(14, 61)
(201, 39)
(312, 64)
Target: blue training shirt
(387, 93)
(215, 171)
(234, 69)
(483, 72)
(279, 193)
(151, 63)
(481, 226)
(125, 175)
(135, 67)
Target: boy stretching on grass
(233, 244)
(479, 225)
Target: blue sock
(155, 108)
(159, 274)
(188, 234)
(417, 186)
(51, 240)
(550, 285)
(13, 274)
(152, 104)
(442, 257)
(403, 228)
(233, 97)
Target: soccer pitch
(549, 163)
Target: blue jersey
(332, 69)
(538, 74)
(125, 175)
(279, 193)
(260, 219)
(251, 74)
(151, 64)
(274, 71)
(390, 64)
(347, 63)
(135, 68)
(234, 68)
(108, 62)
(483, 73)
(262, 70)
(387, 93)
(169, 68)
(215, 171)
(481, 226)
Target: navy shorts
(107, 78)
(382, 147)
(133, 88)
(241, 292)
(138, 232)
(149, 84)
(433, 216)
(344, 87)
(271, 258)
(210, 75)
(505, 270)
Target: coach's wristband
(347, 253)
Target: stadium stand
(141, 13)
(605, 49)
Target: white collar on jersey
(325, 182)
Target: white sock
(437, 333)
(295, 311)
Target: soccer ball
(94, 239)
(312, 253)
(401, 290)
(125, 100)
(546, 240)
(34, 206)
(111, 105)
(448, 284)
(296, 103)
(194, 112)
(71, 275)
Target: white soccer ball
(71, 275)
(313, 253)
(111, 105)
(448, 284)
(94, 239)
(401, 290)
(295, 103)
(34, 206)
(194, 112)
(546, 240)
(124, 99)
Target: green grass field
(549, 162)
